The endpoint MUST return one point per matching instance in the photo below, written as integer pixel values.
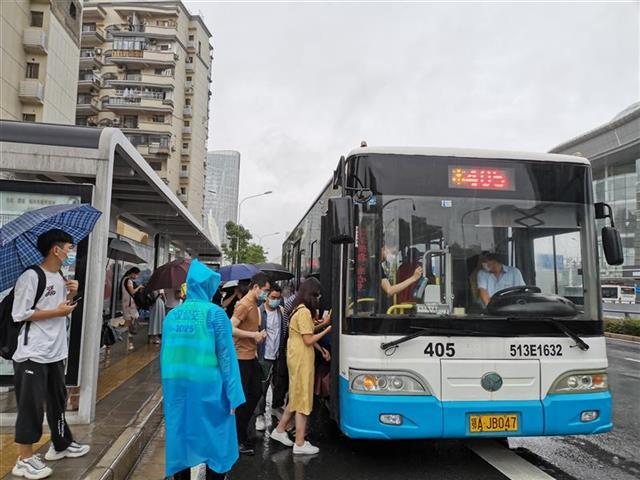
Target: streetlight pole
(268, 192)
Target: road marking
(632, 359)
(506, 461)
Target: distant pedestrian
(233, 294)
(156, 317)
(247, 335)
(300, 361)
(200, 381)
(130, 312)
(39, 360)
(272, 322)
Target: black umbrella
(276, 271)
(121, 250)
(170, 275)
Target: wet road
(614, 455)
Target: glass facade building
(614, 151)
(221, 192)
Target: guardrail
(626, 310)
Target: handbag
(108, 335)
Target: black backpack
(10, 330)
(143, 298)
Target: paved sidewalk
(127, 382)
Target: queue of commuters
(216, 370)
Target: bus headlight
(386, 383)
(581, 382)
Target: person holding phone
(39, 360)
(129, 308)
(247, 335)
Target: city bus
(618, 294)
(399, 238)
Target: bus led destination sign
(482, 178)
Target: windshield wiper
(563, 328)
(426, 331)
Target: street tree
(239, 249)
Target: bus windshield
(448, 254)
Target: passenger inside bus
(495, 276)
(389, 256)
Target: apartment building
(39, 60)
(145, 67)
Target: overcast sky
(297, 85)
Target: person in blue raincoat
(200, 381)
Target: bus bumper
(427, 417)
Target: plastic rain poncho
(200, 379)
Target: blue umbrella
(19, 237)
(237, 271)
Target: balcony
(148, 127)
(184, 174)
(185, 152)
(34, 40)
(143, 80)
(190, 67)
(161, 31)
(31, 91)
(159, 149)
(188, 111)
(87, 105)
(137, 103)
(94, 13)
(92, 36)
(89, 82)
(191, 46)
(186, 131)
(144, 58)
(90, 59)
(183, 197)
(188, 87)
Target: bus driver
(495, 276)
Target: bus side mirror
(612, 246)
(341, 220)
(611, 241)
(338, 174)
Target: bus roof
(470, 153)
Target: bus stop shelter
(122, 185)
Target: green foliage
(239, 250)
(625, 327)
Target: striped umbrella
(19, 238)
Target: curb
(124, 453)
(620, 336)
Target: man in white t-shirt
(39, 360)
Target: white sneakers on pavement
(32, 468)
(74, 450)
(305, 449)
(261, 425)
(283, 438)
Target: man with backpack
(42, 301)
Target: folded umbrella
(275, 271)
(122, 250)
(170, 275)
(19, 237)
(237, 271)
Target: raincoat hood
(202, 282)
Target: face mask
(273, 304)
(485, 267)
(67, 262)
(262, 296)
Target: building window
(164, 48)
(185, 146)
(158, 118)
(130, 121)
(33, 70)
(156, 165)
(187, 123)
(72, 10)
(187, 101)
(190, 60)
(199, 48)
(183, 190)
(189, 79)
(28, 117)
(191, 37)
(36, 19)
(88, 27)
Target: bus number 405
(440, 349)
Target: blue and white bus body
(532, 383)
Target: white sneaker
(31, 468)
(306, 449)
(283, 438)
(74, 450)
(261, 425)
